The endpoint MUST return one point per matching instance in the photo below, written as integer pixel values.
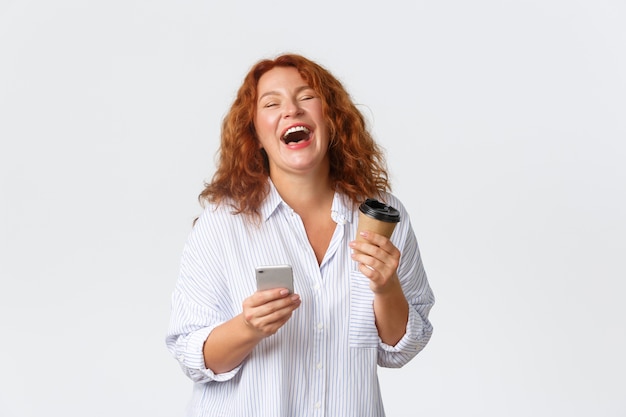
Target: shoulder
(217, 217)
(393, 201)
(211, 211)
(404, 229)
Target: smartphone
(274, 276)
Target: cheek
(263, 125)
(263, 132)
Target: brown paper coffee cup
(377, 217)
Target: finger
(276, 305)
(367, 270)
(371, 249)
(280, 316)
(269, 323)
(374, 238)
(377, 240)
(380, 282)
(263, 297)
(374, 258)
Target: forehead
(279, 78)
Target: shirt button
(320, 326)
(318, 405)
(319, 365)
(316, 287)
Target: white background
(504, 126)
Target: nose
(292, 108)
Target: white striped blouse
(323, 361)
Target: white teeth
(296, 129)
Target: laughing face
(289, 123)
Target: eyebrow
(276, 93)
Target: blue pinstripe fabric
(324, 361)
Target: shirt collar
(341, 210)
(271, 202)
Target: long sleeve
(420, 298)
(325, 358)
(198, 306)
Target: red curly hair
(357, 164)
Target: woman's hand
(264, 312)
(378, 260)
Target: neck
(303, 194)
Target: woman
(295, 162)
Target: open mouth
(296, 134)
